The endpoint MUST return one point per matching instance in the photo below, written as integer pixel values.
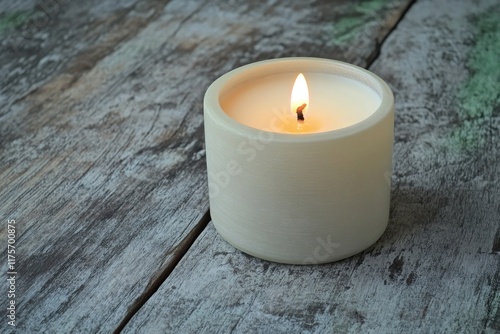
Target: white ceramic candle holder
(301, 198)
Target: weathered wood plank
(102, 165)
(437, 268)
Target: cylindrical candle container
(299, 198)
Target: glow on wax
(333, 102)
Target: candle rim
(301, 64)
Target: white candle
(290, 191)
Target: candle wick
(300, 112)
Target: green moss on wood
(480, 94)
(371, 7)
(349, 26)
(11, 21)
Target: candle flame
(299, 101)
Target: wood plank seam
(379, 44)
(179, 251)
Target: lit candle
(299, 154)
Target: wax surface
(335, 102)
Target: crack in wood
(380, 43)
(179, 251)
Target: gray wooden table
(103, 168)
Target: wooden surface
(102, 167)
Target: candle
(299, 154)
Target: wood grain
(102, 156)
(437, 268)
(41, 40)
